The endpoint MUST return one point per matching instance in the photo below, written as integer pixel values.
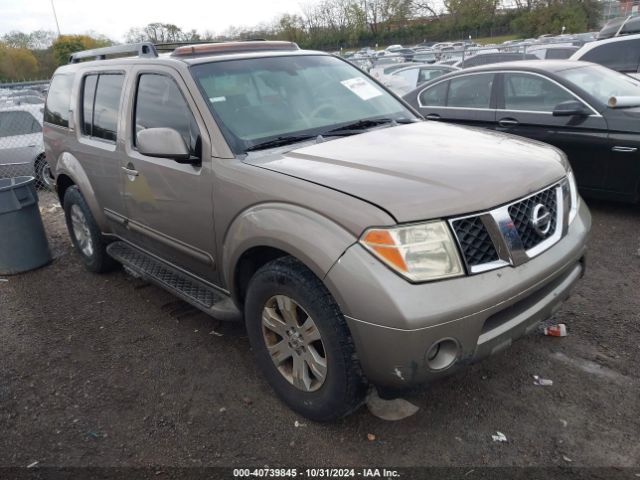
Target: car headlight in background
(575, 198)
(419, 252)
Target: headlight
(418, 252)
(575, 199)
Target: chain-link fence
(21, 144)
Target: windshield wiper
(278, 142)
(357, 127)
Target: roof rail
(143, 49)
(232, 47)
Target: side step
(188, 288)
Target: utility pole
(55, 17)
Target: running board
(188, 288)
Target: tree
(65, 45)
(17, 64)
(161, 33)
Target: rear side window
(622, 56)
(160, 104)
(532, 93)
(57, 108)
(471, 91)
(435, 96)
(18, 123)
(101, 105)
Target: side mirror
(163, 143)
(570, 108)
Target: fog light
(442, 354)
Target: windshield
(261, 99)
(602, 83)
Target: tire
(44, 180)
(342, 389)
(95, 258)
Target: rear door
(623, 56)
(468, 99)
(525, 107)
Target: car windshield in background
(262, 99)
(602, 83)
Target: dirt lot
(106, 370)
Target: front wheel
(301, 341)
(44, 177)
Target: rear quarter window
(622, 56)
(56, 109)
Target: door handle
(32, 145)
(624, 149)
(130, 172)
(508, 122)
(432, 116)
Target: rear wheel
(85, 233)
(44, 177)
(301, 341)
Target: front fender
(69, 165)
(312, 238)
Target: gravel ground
(104, 370)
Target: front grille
(523, 229)
(474, 241)
(521, 213)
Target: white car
(21, 145)
(406, 79)
(617, 53)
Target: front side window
(101, 105)
(471, 91)
(160, 104)
(622, 56)
(601, 83)
(263, 99)
(56, 110)
(532, 93)
(18, 123)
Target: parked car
(404, 80)
(620, 26)
(425, 56)
(381, 69)
(553, 52)
(619, 53)
(21, 146)
(563, 103)
(489, 58)
(359, 244)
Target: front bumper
(395, 324)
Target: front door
(525, 105)
(169, 204)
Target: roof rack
(143, 49)
(232, 47)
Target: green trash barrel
(23, 241)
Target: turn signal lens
(418, 252)
(575, 199)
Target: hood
(424, 170)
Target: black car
(563, 103)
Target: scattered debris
(213, 332)
(458, 439)
(559, 330)
(371, 437)
(223, 409)
(4, 279)
(469, 472)
(566, 459)
(484, 377)
(93, 435)
(543, 382)
(297, 424)
(564, 423)
(499, 437)
(391, 410)
(247, 400)
(398, 373)
(33, 464)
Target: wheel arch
(269, 231)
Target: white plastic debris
(566, 459)
(390, 410)
(297, 424)
(33, 464)
(543, 382)
(213, 332)
(564, 423)
(499, 437)
(4, 279)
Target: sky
(113, 18)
